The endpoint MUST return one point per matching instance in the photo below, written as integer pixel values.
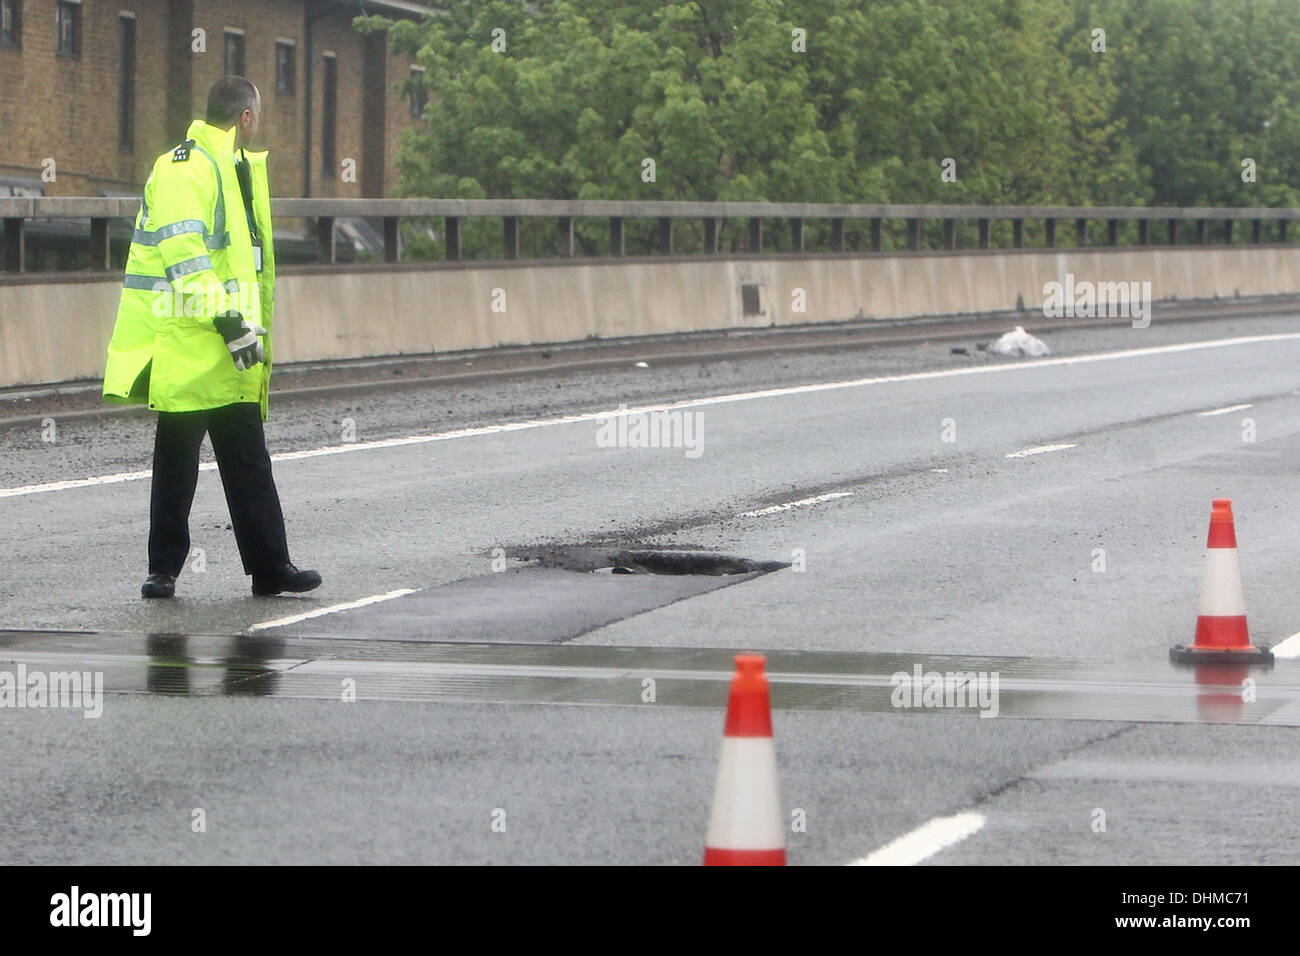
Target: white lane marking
(925, 841)
(320, 612)
(87, 482)
(802, 502)
(1290, 648)
(940, 471)
(1039, 450)
(695, 403)
(1225, 410)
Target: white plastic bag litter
(1020, 342)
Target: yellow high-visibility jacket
(192, 259)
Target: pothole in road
(605, 560)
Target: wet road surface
(1044, 524)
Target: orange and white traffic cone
(745, 828)
(1221, 634)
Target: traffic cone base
(1184, 654)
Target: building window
(233, 54)
(126, 83)
(284, 66)
(329, 111)
(419, 92)
(11, 23)
(67, 24)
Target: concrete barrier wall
(53, 331)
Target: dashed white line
(1040, 450)
(320, 612)
(801, 503)
(1288, 649)
(1225, 410)
(695, 403)
(925, 841)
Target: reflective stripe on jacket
(191, 259)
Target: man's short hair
(227, 98)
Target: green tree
(571, 98)
(1204, 85)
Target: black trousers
(245, 467)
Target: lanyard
(245, 176)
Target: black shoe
(285, 578)
(158, 586)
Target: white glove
(246, 349)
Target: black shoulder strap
(245, 175)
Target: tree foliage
(570, 98)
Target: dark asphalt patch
(280, 666)
(526, 605)
(544, 602)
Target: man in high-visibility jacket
(193, 340)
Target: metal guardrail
(15, 211)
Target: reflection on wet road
(262, 665)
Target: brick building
(92, 91)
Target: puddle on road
(865, 682)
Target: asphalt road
(892, 481)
